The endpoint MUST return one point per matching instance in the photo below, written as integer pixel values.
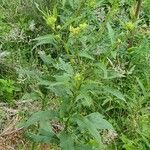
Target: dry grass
(12, 137)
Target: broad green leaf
(65, 66)
(39, 138)
(46, 39)
(115, 92)
(83, 147)
(38, 116)
(85, 55)
(45, 128)
(85, 99)
(66, 141)
(49, 83)
(110, 32)
(47, 59)
(45, 134)
(31, 96)
(64, 78)
(100, 123)
(85, 124)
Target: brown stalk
(138, 7)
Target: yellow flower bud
(50, 20)
(77, 77)
(72, 61)
(74, 31)
(119, 41)
(92, 3)
(129, 26)
(83, 26)
(58, 27)
(58, 37)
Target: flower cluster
(129, 26)
(50, 21)
(76, 30)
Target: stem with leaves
(73, 102)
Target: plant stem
(138, 7)
(73, 101)
(33, 146)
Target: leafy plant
(73, 120)
(6, 91)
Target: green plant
(93, 72)
(71, 125)
(6, 91)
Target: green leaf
(115, 92)
(38, 138)
(66, 141)
(45, 134)
(100, 123)
(110, 32)
(65, 66)
(46, 39)
(85, 124)
(63, 3)
(38, 116)
(93, 123)
(55, 13)
(47, 59)
(85, 99)
(45, 128)
(31, 96)
(71, 2)
(141, 86)
(84, 147)
(85, 55)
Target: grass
(75, 74)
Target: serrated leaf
(141, 86)
(110, 32)
(46, 39)
(99, 122)
(49, 83)
(38, 138)
(86, 55)
(83, 147)
(55, 11)
(45, 128)
(47, 59)
(85, 99)
(65, 66)
(86, 124)
(31, 96)
(115, 92)
(66, 141)
(38, 116)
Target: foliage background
(95, 53)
